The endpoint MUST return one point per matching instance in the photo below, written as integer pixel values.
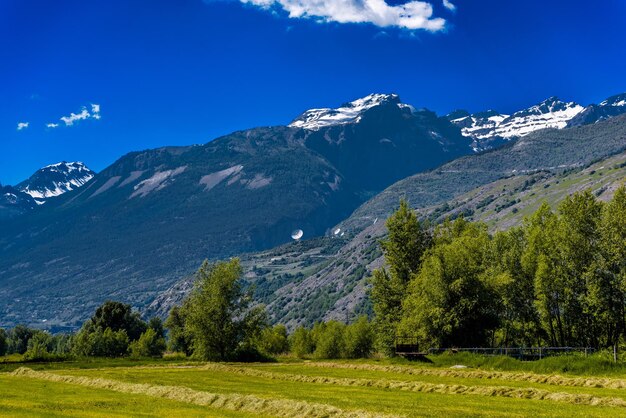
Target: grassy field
(489, 387)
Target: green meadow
(489, 387)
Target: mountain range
(137, 230)
(491, 128)
(152, 216)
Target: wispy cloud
(449, 5)
(411, 15)
(83, 115)
(22, 125)
(52, 125)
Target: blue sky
(186, 71)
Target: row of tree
(559, 279)
(114, 330)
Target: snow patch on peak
(551, 113)
(351, 112)
(487, 126)
(615, 101)
(56, 179)
(66, 167)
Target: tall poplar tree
(403, 248)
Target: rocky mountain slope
(14, 202)
(326, 278)
(153, 216)
(550, 149)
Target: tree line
(215, 322)
(559, 279)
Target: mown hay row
(231, 401)
(416, 386)
(556, 380)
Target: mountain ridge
(490, 128)
(152, 216)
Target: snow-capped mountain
(488, 129)
(551, 113)
(351, 112)
(56, 179)
(613, 106)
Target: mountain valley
(137, 230)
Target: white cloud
(22, 125)
(84, 114)
(411, 15)
(73, 117)
(449, 5)
(52, 125)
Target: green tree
(403, 249)
(301, 342)
(452, 301)
(579, 237)
(119, 316)
(539, 260)
(516, 289)
(101, 343)
(274, 340)
(40, 346)
(62, 344)
(3, 342)
(149, 344)
(217, 314)
(359, 339)
(156, 324)
(608, 274)
(178, 340)
(330, 340)
(18, 338)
